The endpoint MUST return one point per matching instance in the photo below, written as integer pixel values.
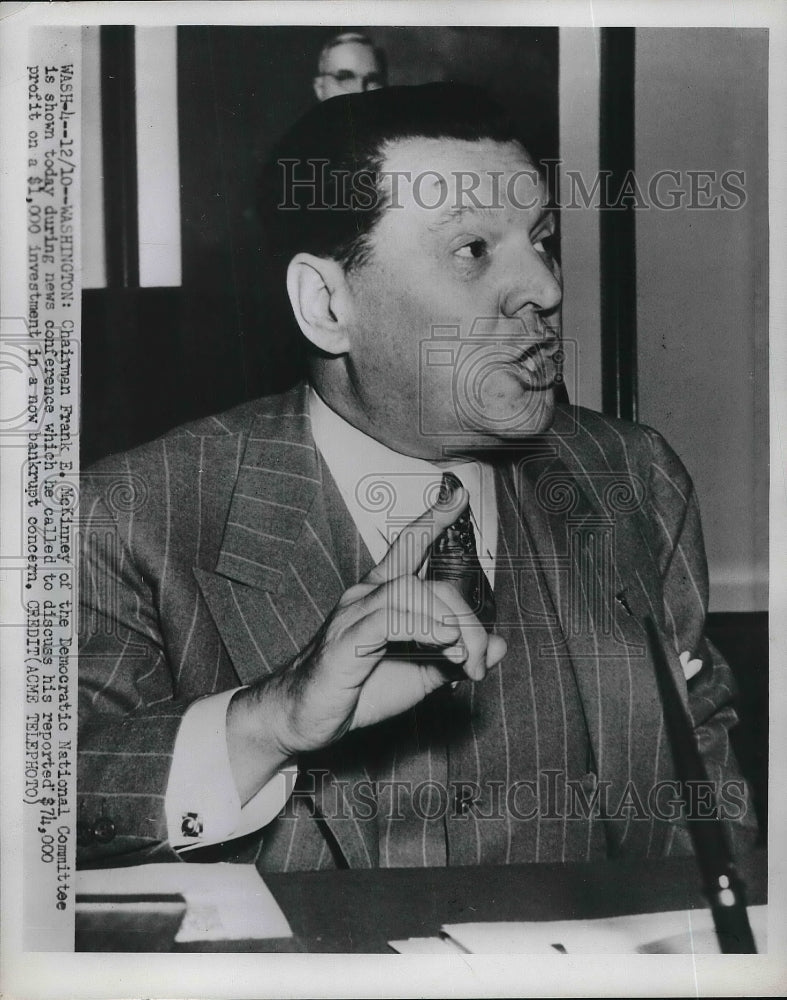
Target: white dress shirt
(201, 795)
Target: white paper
(672, 932)
(224, 902)
(427, 946)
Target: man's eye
(474, 250)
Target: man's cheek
(497, 391)
(504, 404)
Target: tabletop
(361, 910)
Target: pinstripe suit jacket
(210, 557)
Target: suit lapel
(274, 515)
(581, 519)
(277, 579)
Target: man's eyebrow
(458, 212)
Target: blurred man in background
(349, 63)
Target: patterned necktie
(454, 558)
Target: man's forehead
(424, 153)
(457, 177)
(350, 55)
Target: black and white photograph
(390, 483)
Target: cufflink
(104, 830)
(191, 825)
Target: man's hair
(349, 38)
(321, 189)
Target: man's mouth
(540, 364)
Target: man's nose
(534, 282)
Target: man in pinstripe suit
(249, 578)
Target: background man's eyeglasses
(348, 80)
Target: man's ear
(319, 88)
(320, 300)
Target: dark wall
(155, 358)
(742, 638)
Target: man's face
(455, 320)
(350, 68)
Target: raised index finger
(411, 547)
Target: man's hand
(350, 675)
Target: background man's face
(350, 68)
(456, 313)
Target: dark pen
(721, 883)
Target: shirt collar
(385, 490)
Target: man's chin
(527, 412)
(531, 414)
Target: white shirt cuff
(202, 804)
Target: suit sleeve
(712, 693)
(128, 715)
